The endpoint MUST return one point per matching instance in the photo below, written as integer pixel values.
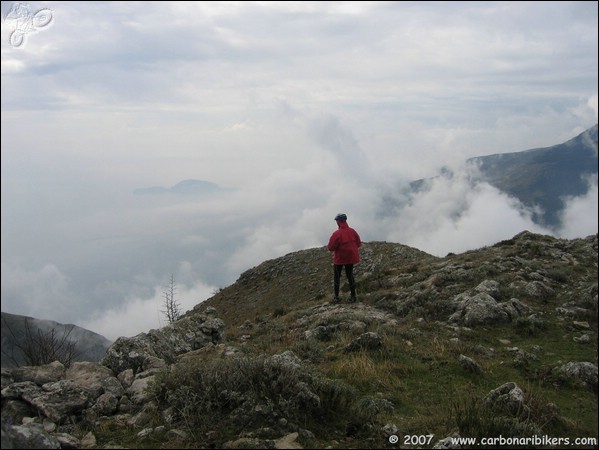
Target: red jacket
(345, 243)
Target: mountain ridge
(541, 179)
(545, 176)
(18, 329)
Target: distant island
(185, 187)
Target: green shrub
(241, 392)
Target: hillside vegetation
(494, 343)
(417, 356)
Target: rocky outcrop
(481, 307)
(146, 350)
(40, 404)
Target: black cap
(341, 217)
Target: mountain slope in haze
(89, 346)
(542, 179)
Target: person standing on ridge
(345, 243)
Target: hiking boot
(353, 299)
(336, 299)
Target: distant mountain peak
(186, 187)
(540, 178)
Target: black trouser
(349, 272)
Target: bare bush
(38, 347)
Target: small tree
(39, 347)
(171, 310)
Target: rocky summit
(491, 347)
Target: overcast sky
(297, 110)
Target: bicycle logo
(26, 22)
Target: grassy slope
(417, 369)
(405, 296)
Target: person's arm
(333, 242)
